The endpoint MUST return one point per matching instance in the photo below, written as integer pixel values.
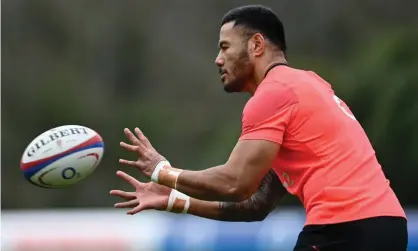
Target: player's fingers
(142, 137)
(128, 178)
(131, 148)
(128, 162)
(127, 204)
(123, 194)
(136, 210)
(139, 165)
(134, 140)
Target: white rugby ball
(62, 156)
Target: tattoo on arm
(259, 205)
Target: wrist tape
(178, 202)
(165, 174)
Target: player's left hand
(146, 195)
(148, 157)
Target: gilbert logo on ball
(62, 156)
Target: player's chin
(231, 87)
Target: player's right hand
(146, 196)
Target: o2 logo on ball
(69, 173)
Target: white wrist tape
(154, 176)
(165, 174)
(178, 202)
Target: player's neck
(262, 69)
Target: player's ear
(257, 44)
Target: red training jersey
(325, 156)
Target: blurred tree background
(115, 64)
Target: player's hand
(148, 157)
(146, 196)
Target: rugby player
(297, 136)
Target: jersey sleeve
(267, 115)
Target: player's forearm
(212, 184)
(205, 209)
(220, 183)
(256, 208)
(226, 211)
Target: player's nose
(219, 61)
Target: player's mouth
(223, 74)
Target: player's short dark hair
(261, 19)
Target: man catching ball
(297, 137)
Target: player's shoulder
(271, 97)
(305, 84)
(276, 87)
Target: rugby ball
(62, 156)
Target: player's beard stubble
(239, 74)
